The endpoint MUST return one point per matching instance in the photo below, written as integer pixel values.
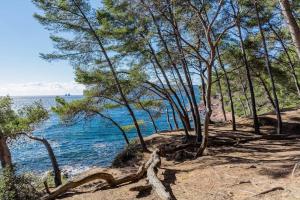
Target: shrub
(17, 187)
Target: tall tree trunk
(228, 90)
(269, 69)
(190, 96)
(253, 102)
(8, 171)
(55, 166)
(184, 116)
(117, 125)
(243, 106)
(168, 97)
(194, 108)
(292, 23)
(168, 119)
(5, 155)
(221, 94)
(152, 121)
(150, 116)
(203, 92)
(174, 117)
(116, 79)
(244, 90)
(266, 90)
(208, 112)
(291, 64)
(229, 93)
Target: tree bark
(153, 180)
(7, 170)
(117, 125)
(190, 96)
(243, 106)
(261, 80)
(174, 117)
(55, 166)
(244, 90)
(203, 92)
(5, 155)
(221, 94)
(168, 97)
(292, 23)
(111, 181)
(194, 109)
(168, 119)
(204, 139)
(184, 114)
(291, 64)
(228, 90)
(150, 116)
(269, 69)
(113, 70)
(251, 89)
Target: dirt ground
(259, 169)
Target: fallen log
(152, 177)
(78, 182)
(110, 180)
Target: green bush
(17, 187)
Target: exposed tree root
(294, 169)
(270, 190)
(111, 181)
(153, 180)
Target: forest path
(260, 169)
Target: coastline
(224, 172)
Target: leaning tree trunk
(114, 73)
(168, 97)
(292, 23)
(178, 104)
(204, 139)
(228, 86)
(203, 92)
(190, 97)
(228, 90)
(269, 69)
(117, 125)
(150, 116)
(244, 90)
(195, 110)
(5, 155)
(261, 80)
(8, 171)
(243, 106)
(291, 64)
(221, 94)
(174, 117)
(253, 102)
(152, 121)
(168, 120)
(55, 166)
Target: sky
(22, 71)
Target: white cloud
(41, 88)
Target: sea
(77, 146)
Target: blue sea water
(80, 146)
